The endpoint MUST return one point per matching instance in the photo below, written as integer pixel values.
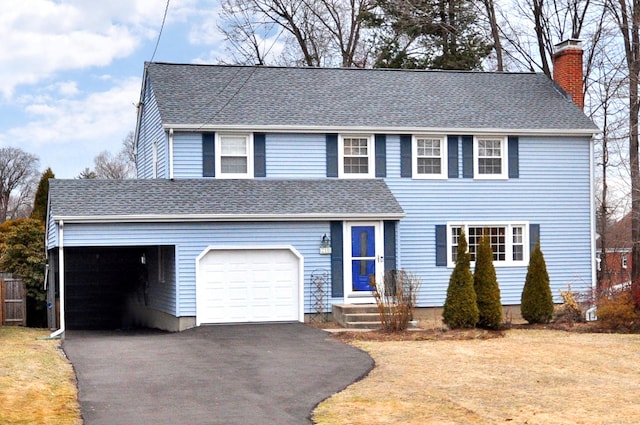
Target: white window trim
(218, 153)
(154, 160)
(371, 157)
(444, 157)
(504, 175)
(509, 225)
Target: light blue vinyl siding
(187, 155)
(161, 295)
(553, 190)
(52, 232)
(190, 239)
(150, 130)
(296, 155)
(287, 155)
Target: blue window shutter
(441, 245)
(534, 236)
(337, 272)
(381, 155)
(332, 155)
(467, 157)
(259, 155)
(405, 155)
(514, 166)
(452, 153)
(208, 155)
(390, 246)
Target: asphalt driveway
(238, 374)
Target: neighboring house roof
(214, 199)
(618, 235)
(208, 96)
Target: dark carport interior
(99, 284)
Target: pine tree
(460, 308)
(42, 196)
(486, 286)
(537, 302)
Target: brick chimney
(567, 69)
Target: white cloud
(68, 133)
(67, 88)
(62, 92)
(42, 37)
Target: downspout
(171, 153)
(60, 331)
(594, 279)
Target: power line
(164, 18)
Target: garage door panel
(252, 285)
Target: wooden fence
(13, 302)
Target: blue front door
(363, 257)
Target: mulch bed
(418, 335)
(458, 334)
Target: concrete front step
(356, 316)
(362, 317)
(363, 325)
(356, 308)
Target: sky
(71, 70)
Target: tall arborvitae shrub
(39, 211)
(537, 302)
(486, 286)
(460, 308)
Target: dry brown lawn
(37, 383)
(529, 377)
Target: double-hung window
(491, 157)
(507, 241)
(429, 155)
(234, 156)
(356, 156)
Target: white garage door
(248, 285)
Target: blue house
(253, 180)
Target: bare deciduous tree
(18, 177)
(531, 28)
(627, 17)
(108, 166)
(116, 167)
(606, 111)
(490, 10)
(322, 32)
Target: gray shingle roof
(380, 98)
(218, 199)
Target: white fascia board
(389, 130)
(158, 218)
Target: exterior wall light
(325, 245)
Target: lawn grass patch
(531, 377)
(37, 382)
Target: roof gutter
(162, 218)
(389, 130)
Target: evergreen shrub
(537, 302)
(486, 287)
(460, 307)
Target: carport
(103, 286)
